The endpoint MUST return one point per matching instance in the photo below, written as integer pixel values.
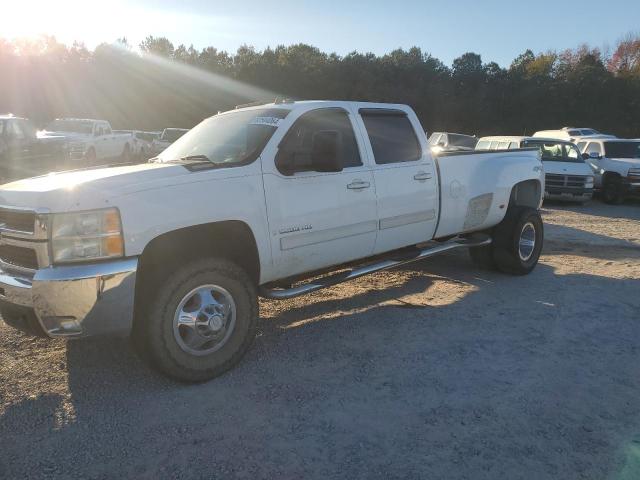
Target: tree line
(163, 85)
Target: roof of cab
(517, 138)
(306, 104)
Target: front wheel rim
(527, 241)
(204, 320)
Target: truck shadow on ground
(535, 372)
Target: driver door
(319, 219)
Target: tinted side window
(299, 139)
(392, 137)
(483, 145)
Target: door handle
(358, 185)
(422, 176)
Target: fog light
(62, 325)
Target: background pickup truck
(264, 200)
(616, 165)
(24, 152)
(91, 141)
(168, 136)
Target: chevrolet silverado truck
(91, 142)
(25, 152)
(275, 201)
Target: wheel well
(526, 194)
(610, 175)
(232, 240)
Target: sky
(498, 30)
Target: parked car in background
(616, 165)
(91, 141)
(141, 143)
(567, 176)
(168, 136)
(25, 152)
(252, 202)
(572, 134)
(445, 141)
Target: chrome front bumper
(74, 300)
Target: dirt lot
(435, 371)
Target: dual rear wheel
(517, 243)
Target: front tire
(199, 321)
(126, 154)
(612, 191)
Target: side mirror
(585, 156)
(324, 151)
(441, 144)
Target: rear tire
(199, 321)
(517, 243)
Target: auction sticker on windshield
(272, 121)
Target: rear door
(318, 219)
(405, 178)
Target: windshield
(74, 126)
(172, 134)
(462, 140)
(557, 152)
(622, 149)
(229, 138)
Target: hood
(567, 168)
(629, 162)
(87, 189)
(69, 136)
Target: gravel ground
(435, 371)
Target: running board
(475, 240)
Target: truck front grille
(18, 220)
(22, 257)
(553, 180)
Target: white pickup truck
(92, 141)
(616, 165)
(263, 201)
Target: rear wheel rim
(204, 320)
(527, 241)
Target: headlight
(93, 235)
(588, 182)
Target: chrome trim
(41, 249)
(40, 228)
(407, 219)
(93, 299)
(476, 240)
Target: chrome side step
(475, 240)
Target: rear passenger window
(503, 145)
(392, 137)
(483, 145)
(296, 146)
